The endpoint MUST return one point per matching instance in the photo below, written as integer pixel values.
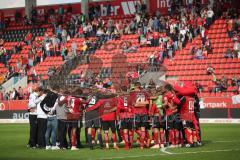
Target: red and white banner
(120, 7)
(13, 105)
(218, 102)
(161, 5)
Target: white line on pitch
(224, 141)
(152, 155)
(164, 150)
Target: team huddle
(157, 116)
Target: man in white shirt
(32, 108)
(41, 122)
(210, 14)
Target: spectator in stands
(230, 27)
(48, 47)
(151, 83)
(155, 39)
(170, 49)
(74, 48)
(6, 96)
(203, 35)
(58, 32)
(192, 50)
(236, 49)
(50, 72)
(28, 38)
(18, 47)
(210, 70)
(55, 43)
(210, 15)
(69, 9)
(229, 54)
(64, 52)
(64, 35)
(238, 81)
(20, 93)
(33, 75)
(14, 94)
(18, 16)
(199, 53)
(199, 87)
(60, 10)
(208, 46)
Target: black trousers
(42, 127)
(62, 133)
(33, 130)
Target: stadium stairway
(157, 75)
(184, 68)
(64, 71)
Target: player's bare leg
(142, 138)
(156, 138)
(99, 131)
(106, 139)
(89, 137)
(126, 139)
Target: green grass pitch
(220, 142)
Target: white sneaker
(55, 148)
(187, 145)
(152, 141)
(162, 145)
(156, 146)
(48, 147)
(123, 142)
(172, 146)
(74, 148)
(199, 143)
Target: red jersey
(170, 97)
(74, 105)
(124, 108)
(154, 110)
(93, 103)
(187, 109)
(108, 109)
(139, 96)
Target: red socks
(171, 137)
(114, 137)
(194, 136)
(131, 136)
(121, 133)
(162, 136)
(106, 137)
(176, 133)
(156, 139)
(73, 138)
(126, 139)
(142, 138)
(188, 135)
(181, 138)
(138, 133)
(93, 133)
